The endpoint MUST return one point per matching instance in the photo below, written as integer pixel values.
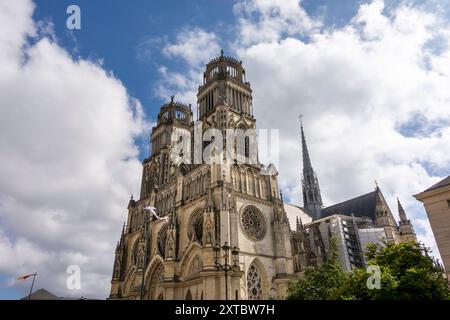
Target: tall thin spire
(406, 228)
(401, 212)
(312, 199)
(306, 160)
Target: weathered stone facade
(205, 205)
(201, 205)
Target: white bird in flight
(153, 211)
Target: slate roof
(41, 294)
(440, 184)
(362, 206)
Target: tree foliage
(406, 272)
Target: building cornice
(427, 194)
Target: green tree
(407, 272)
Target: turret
(170, 136)
(406, 228)
(224, 83)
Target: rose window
(253, 223)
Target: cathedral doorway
(188, 295)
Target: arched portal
(188, 295)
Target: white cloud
(357, 86)
(374, 95)
(196, 47)
(68, 161)
(269, 20)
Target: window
(247, 147)
(196, 226)
(180, 115)
(253, 223)
(162, 237)
(254, 283)
(448, 203)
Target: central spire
(312, 199)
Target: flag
(26, 277)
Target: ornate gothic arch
(257, 282)
(193, 251)
(194, 266)
(195, 226)
(154, 277)
(128, 281)
(161, 239)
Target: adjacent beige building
(436, 200)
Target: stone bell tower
(225, 89)
(174, 120)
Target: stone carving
(253, 223)
(254, 283)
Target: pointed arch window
(162, 237)
(254, 283)
(247, 146)
(196, 226)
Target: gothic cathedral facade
(202, 207)
(220, 229)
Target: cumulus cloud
(373, 93)
(359, 87)
(68, 161)
(270, 20)
(195, 47)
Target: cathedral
(220, 229)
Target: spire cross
(300, 117)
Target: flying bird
(153, 212)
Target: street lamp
(226, 266)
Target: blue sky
(129, 38)
(116, 33)
(370, 76)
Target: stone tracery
(253, 223)
(254, 283)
